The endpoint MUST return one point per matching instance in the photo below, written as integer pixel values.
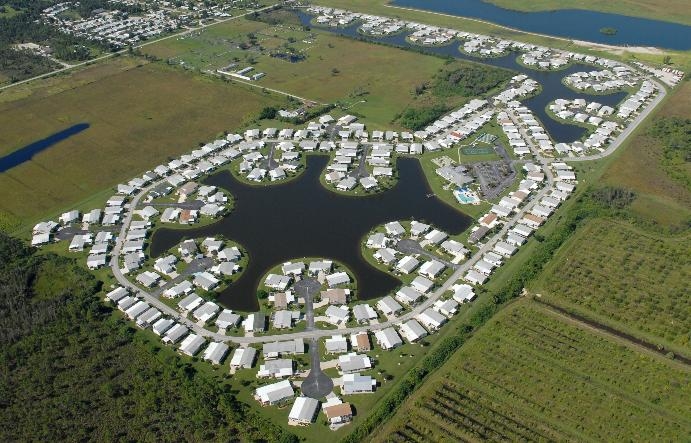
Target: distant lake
(26, 153)
(301, 218)
(570, 23)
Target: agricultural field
(530, 374)
(373, 81)
(667, 10)
(139, 115)
(633, 275)
(634, 279)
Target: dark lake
(571, 23)
(25, 154)
(301, 218)
(552, 87)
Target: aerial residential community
(298, 221)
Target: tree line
(72, 370)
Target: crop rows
(529, 376)
(632, 278)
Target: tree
(268, 113)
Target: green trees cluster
(21, 64)
(470, 80)
(73, 371)
(613, 197)
(674, 133)
(466, 80)
(418, 118)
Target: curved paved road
(313, 334)
(662, 92)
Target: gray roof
(389, 303)
(415, 327)
(191, 344)
(354, 362)
(244, 357)
(296, 346)
(303, 409)
(117, 294)
(175, 333)
(227, 318)
(358, 383)
(216, 352)
(283, 319)
(162, 325)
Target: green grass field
(636, 280)
(139, 117)
(531, 375)
(375, 82)
(640, 168)
(669, 10)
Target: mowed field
(139, 117)
(629, 278)
(669, 10)
(531, 375)
(374, 81)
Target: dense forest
(71, 370)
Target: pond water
(301, 218)
(27, 152)
(551, 81)
(571, 23)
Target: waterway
(570, 23)
(27, 152)
(551, 81)
(301, 218)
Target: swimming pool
(466, 197)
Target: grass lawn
(373, 81)
(668, 10)
(530, 374)
(139, 117)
